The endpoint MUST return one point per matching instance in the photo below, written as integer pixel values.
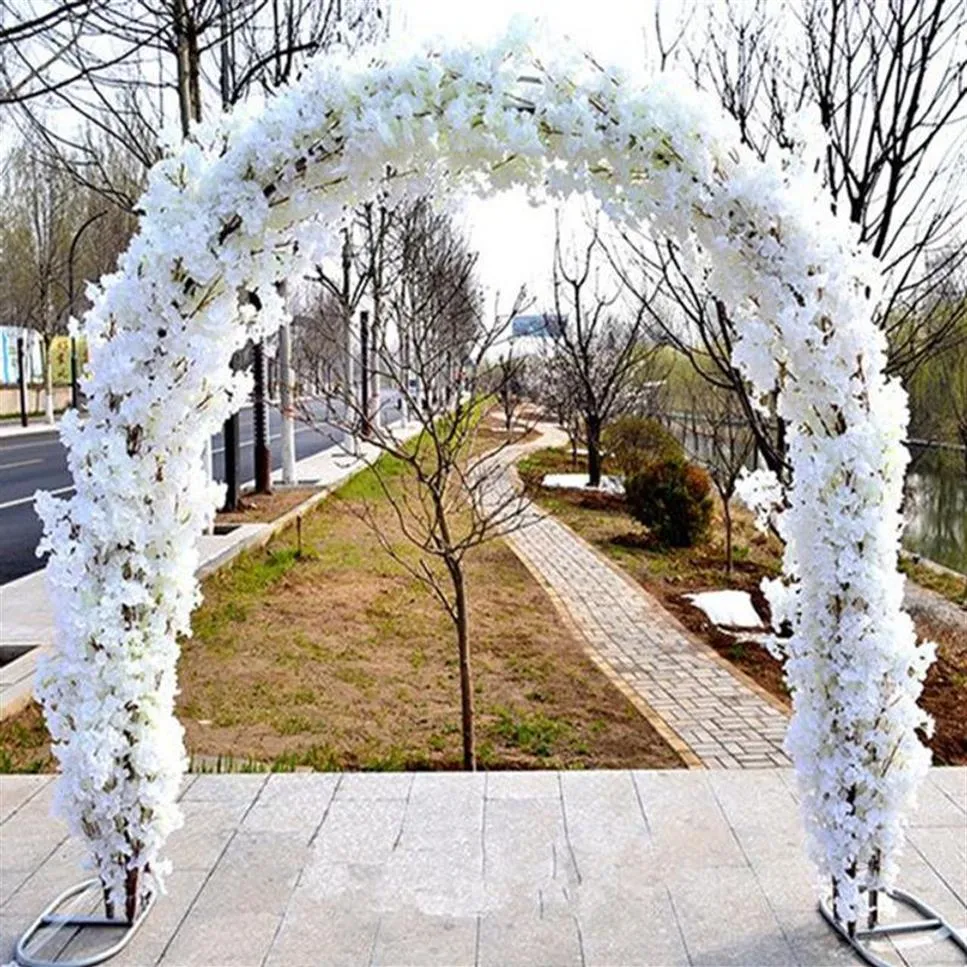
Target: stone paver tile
(315, 931)
(413, 937)
(235, 788)
(11, 929)
(446, 882)
(517, 935)
(63, 868)
(523, 785)
(936, 808)
(624, 924)
(209, 826)
(688, 831)
(726, 919)
(15, 791)
(226, 939)
(525, 846)
(256, 874)
(920, 880)
(292, 803)
(442, 818)
(789, 882)
(953, 782)
(152, 938)
(945, 850)
(604, 824)
(29, 837)
(444, 786)
(375, 785)
(359, 831)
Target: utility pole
(22, 380)
(263, 455)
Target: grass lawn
(341, 660)
(670, 573)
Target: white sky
(515, 240)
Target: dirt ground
(258, 508)
(670, 573)
(342, 660)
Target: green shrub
(632, 442)
(672, 499)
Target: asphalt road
(39, 462)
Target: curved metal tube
(49, 918)
(932, 921)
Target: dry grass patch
(341, 660)
(670, 573)
(350, 663)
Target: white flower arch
(220, 219)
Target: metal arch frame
(49, 918)
(932, 921)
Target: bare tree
(48, 253)
(725, 444)
(508, 377)
(453, 497)
(888, 84)
(319, 341)
(598, 340)
(121, 68)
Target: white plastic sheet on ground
(730, 609)
(579, 481)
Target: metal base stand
(50, 919)
(931, 921)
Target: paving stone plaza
(542, 868)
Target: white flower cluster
(761, 492)
(247, 200)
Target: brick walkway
(712, 717)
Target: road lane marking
(6, 448)
(30, 499)
(20, 463)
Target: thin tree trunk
(461, 620)
(594, 451)
(727, 515)
(364, 361)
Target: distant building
(537, 325)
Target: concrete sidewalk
(26, 614)
(12, 428)
(543, 868)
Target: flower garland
(222, 214)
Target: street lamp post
(70, 299)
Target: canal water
(935, 508)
